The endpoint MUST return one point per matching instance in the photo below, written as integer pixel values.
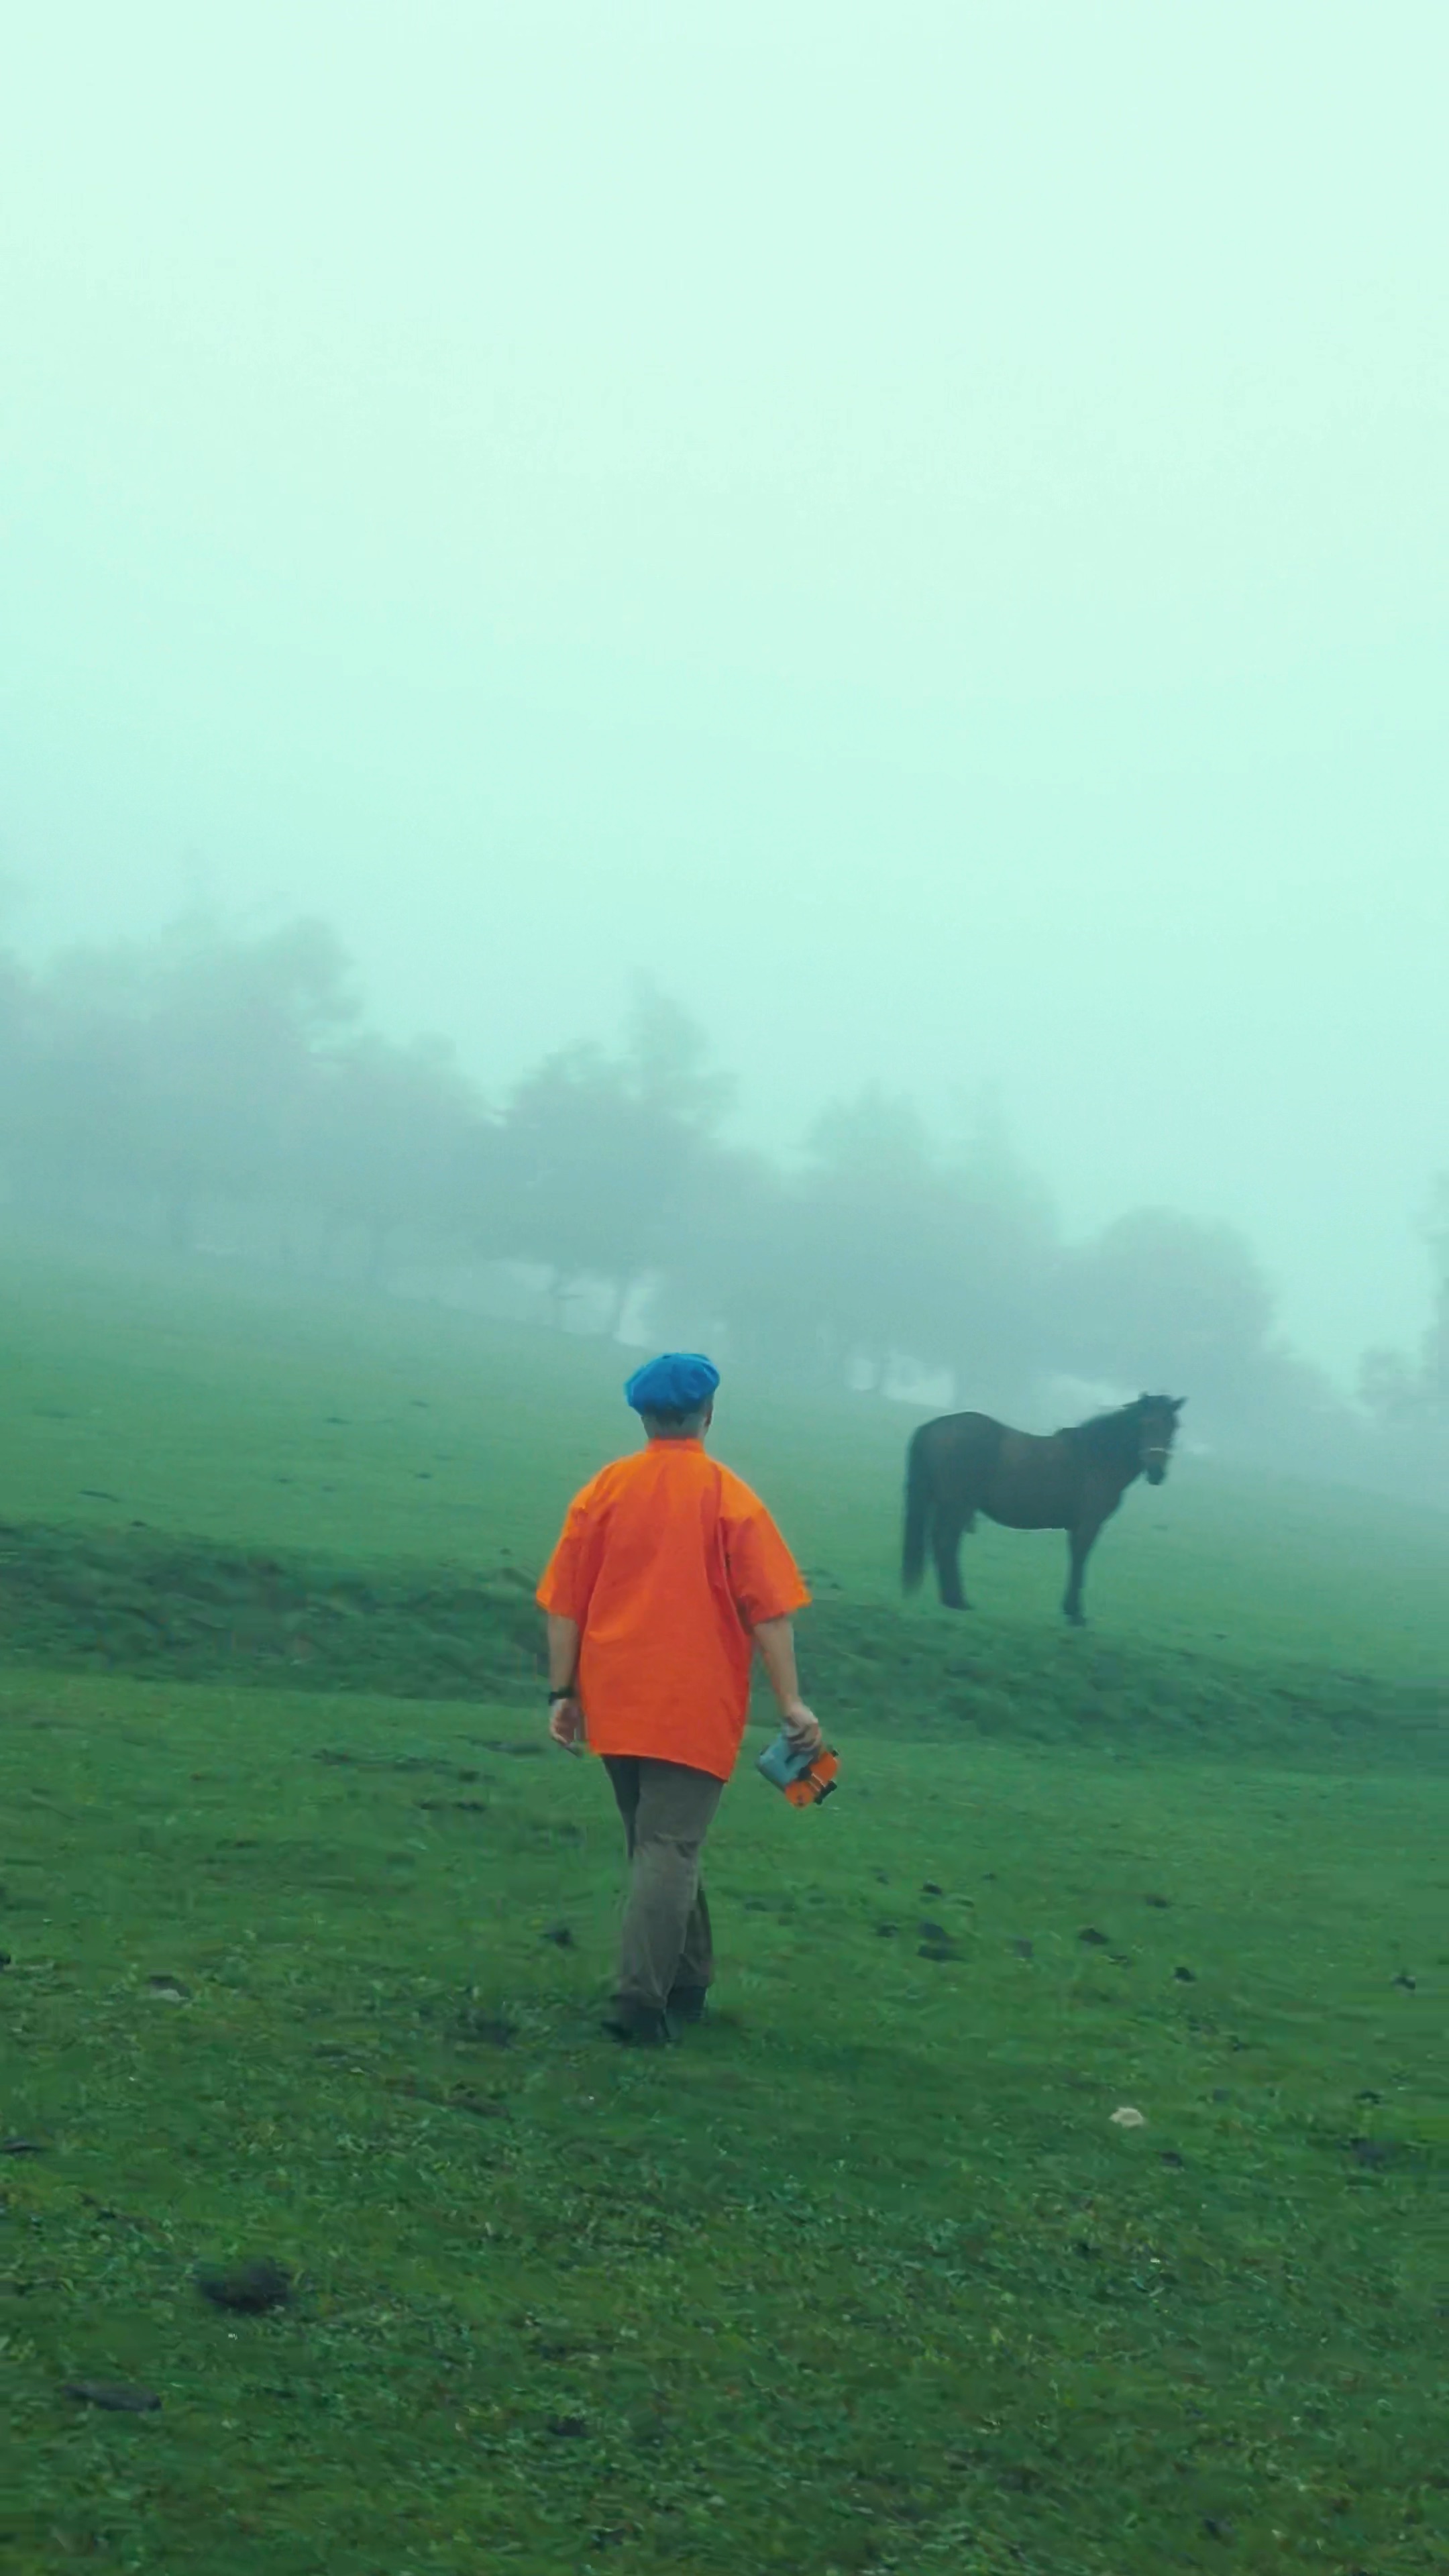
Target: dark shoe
(637, 2027)
(686, 2003)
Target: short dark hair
(671, 1424)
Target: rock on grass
(116, 2399)
(249, 2289)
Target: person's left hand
(566, 1724)
(802, 1727)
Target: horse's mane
(1112, 1435)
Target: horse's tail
(918, 1513)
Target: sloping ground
(147, 1399)
(186, 1609)
(863, 2279)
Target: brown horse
(965, 1463)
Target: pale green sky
(922, 526)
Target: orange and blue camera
(805, 1778)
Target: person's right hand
(566, 1724)
(802, 1727)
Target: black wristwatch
(566, 1693)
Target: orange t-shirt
(668, 1562)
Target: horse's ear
(1178, 1401)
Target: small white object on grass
(1127, 2118)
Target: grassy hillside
(277, 1421)
(861, 2278)
(306, 1930)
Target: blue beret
(678, 1382)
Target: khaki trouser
(667, 1810)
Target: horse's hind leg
(946, 1537)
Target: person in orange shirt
(668, 1578)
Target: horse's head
(1156, 1430)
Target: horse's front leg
(1079, 1548)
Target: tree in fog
(1003, 1285)
(1410, 1390)
(1167, 1302)
(73, 1127)
(597, 1152)
(1436, 1339)
(667, 1063)
(871, 1235)
(19, 1037)
(398, 1147)
(729, 1275)
(882, 1247)
(183, 1071)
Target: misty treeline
(1409, 1390)
(221, 1091)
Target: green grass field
(307, 1932)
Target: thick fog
(919, 530)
